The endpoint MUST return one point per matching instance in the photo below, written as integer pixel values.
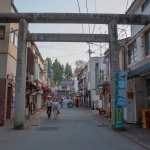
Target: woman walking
(56, 109)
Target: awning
(47, 89)
(136, 72)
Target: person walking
(61, 102)
(49, 103)
(56, 108)
(77, 102)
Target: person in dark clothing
(77, 102)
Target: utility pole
(90, 77)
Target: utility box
(98, 104)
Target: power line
(127, 6)
(88, 12)
(66, 55)
(54, 48)
(80, 12)
(96, 12)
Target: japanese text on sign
(121, 86)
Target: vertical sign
(121, 87)
(118, 117)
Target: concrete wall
(5, 6)
(39, 101)
(136, 28)
(11, 65)
(3, 65)
(141, 99)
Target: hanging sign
(121, 88)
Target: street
(74, 130)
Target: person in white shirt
(49, 103)
(56, 108)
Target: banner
(121, 88)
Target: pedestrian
(56, 108)
(49, 103)
(68, 102)
(61, 102)
(77, 102)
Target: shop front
(107, 99)
(10, 97)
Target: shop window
(145, 5)
(132, 53)
(16, 40)
(2, 32)
(14, 37)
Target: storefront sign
(118, 114)
(130, 95)
(121, 87)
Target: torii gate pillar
(21, 76)
(114, 65)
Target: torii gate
(23, 36)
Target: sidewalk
(27, 122)
(133, 132)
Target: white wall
(39, 101)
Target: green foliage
(68, 71)
(49, 64)
(59, 70)
(57, 73)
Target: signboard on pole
(121, 88)
(118, 112)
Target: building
(8, 56)
(105, 86)
(64, 88)
(82, 86)
(98, 75)
(37, 79)
(138, 63)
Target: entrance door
(141, 104)
(9, 102)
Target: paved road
(74, 130)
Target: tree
(63, 69)
(80, 64)
(49, 64)
(57, 71)
(70, 71)
(67, 70)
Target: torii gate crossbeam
(39, 37)
(80, 18)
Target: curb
(123, 133)
(26, 126)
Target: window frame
(147, 47)
(3, 27)
(132, 53)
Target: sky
(70, 52)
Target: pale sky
(70, 52)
